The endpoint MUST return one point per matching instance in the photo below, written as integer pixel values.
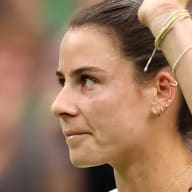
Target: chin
(86, 162)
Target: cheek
(112, 114)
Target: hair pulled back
(135, 42)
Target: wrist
(154, 19)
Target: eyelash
(82, 80)
(61, 81)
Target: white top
(114, 190)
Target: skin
(106, 115)
(91, 102)
(148, 16)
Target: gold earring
(154, 111)
(162, 108)
(166, 107)
(158, 109)
(173, 84)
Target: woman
(113, 108)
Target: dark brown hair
(119, 17)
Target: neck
(164, 167)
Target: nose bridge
(65, 102)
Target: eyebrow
(81, 70)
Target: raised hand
(152, 11)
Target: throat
(167, 170)
(180, 180)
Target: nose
(64, 104)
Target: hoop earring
(173, 84)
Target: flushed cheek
(108, 115)
(111, 136)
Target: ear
(166, 89)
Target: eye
(88, 81)
(61, 81)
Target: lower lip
(76, 138)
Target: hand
(151, 10)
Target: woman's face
(102, 110)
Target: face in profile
(101, 107)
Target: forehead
(90, 39)
(92, 31)
(89, 46)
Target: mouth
(74, 139)
(73, 134)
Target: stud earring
(154, 111)
(157, 110)
(166, 107)
(162, 109)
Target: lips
(71, 133)
(75, 138)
